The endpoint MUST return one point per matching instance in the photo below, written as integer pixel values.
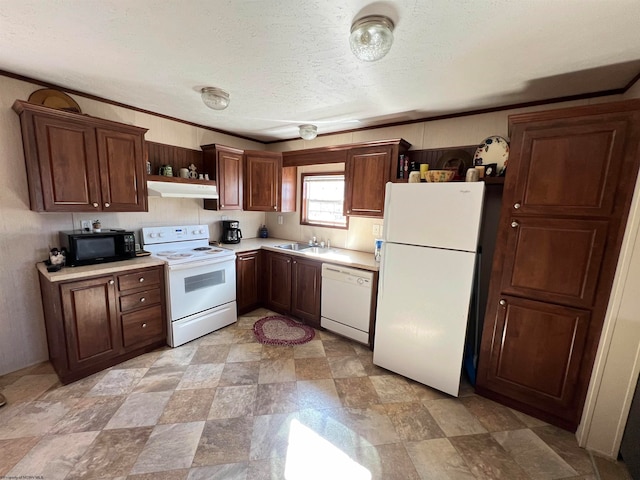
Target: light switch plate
(280, 220)
(376, 229)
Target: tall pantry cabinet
(570, 181)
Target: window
(322, 200)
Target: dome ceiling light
(308, 131)
(371, 37)
(215, 98)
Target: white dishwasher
(346, 301)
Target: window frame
(303, 202)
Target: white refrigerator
(426, 278)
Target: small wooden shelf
(162, 178)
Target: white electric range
(200, 280)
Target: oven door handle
(199, 263)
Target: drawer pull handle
(144, 325)
(111, 282)
(142, 299)
(141, 279)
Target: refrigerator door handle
(381, 278)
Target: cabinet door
(536, 354)
(262, 181)
(366, 173)
(229, 179)
(306, 279)
(68, 166)
(122, 168)
(278, 282)
(91, 323)
(248, 281)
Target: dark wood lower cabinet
(96, 322)
(293, 286)
(305, 304)
(248, 281)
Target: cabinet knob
(222, 206)
(516, 206)
(142, 299)
(95, 204)
(144, 325)
(107, 205)
(348, 211)
(502, 302)
(288, 261)
(275, 207)
(295, 261)
(515, 224)
(111, 282)
(141, 279)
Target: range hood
(181, 190)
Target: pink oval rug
(278, 330)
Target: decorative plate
(54, 99)
(492, 150)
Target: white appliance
(345, 305)
(200, 281)
(426, 279)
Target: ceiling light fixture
(308, 132)
(215, 98)
(371, 37)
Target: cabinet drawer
(139, 299)
(139, 279)
(142, 326)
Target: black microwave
(88, 248)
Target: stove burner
(201, 249)
(166, 253)
(179, 256)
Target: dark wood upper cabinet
(78, 163)
(367, 171)
(227, 165)
(268, 187)
(567, 194)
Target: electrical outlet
(376, 229)
(381, 231)
(225, 217)
(86, 225)
(280, 220)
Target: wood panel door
(567, 193)
(538, 353)
(248, 285)
(305, 304)
(90, 320)
(229, 178)
(122, 170)
(366, 174)
(68, 166)
(278, 282)
(262, 181)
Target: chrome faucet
(313, 242)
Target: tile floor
(227, 407)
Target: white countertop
(338, 256)
(74, 273)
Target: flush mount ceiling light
(215, 98)
(371, 37)
(308, 132)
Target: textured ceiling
(289, 62)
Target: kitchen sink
(295, 246)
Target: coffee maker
(231, 232)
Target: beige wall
(26, 236)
